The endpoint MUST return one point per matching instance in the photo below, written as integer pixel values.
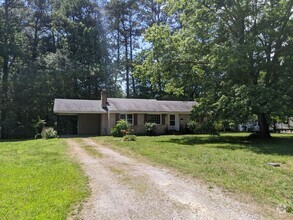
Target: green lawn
(38, 180)
(231, 161)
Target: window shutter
(145, 118)
(117, 117)
(135, 120)
(163, 119)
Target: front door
(173, 124)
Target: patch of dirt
(124, 188)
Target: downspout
(77, 124)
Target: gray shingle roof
(117, 105)
(177, 106)
(78, 106)
(148, 105)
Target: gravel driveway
(126, 188)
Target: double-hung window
(154, 119)
(127, 117)
(172, 120)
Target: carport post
(56, 123)
(109, 123)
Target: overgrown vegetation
(38, 125)
(39, 180)
(49, 132)
(231, 161)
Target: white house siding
(140, 128)
(112, 120)
(92, 124)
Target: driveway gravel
(126, 188)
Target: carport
(81, 117)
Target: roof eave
(148, 112)
(80, 112)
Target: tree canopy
(233, 56)
(49, 49)
(236, 55)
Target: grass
(39, 180)
(116, 170)
(231, 161)
(93, 152)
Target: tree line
(233, 56)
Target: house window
(127, 117)
(130, 119)
(172, 120)
(154, 119)
(123, 117)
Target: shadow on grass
(276, 145)
(14, 140)
(31, 139)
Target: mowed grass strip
(231, 161)
(38, 180)
(92, 151)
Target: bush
(39, 125)
(150, 128)
(129, 137)
(49, 133)
(193, 126)
(218, 125)
(121, 128)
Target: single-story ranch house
(97, 117)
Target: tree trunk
(4, 98)
(131, 58)
(5, 68)
(264, 131)
(127, 66)
(35, 41)
(117, 62)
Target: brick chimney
(104, 96)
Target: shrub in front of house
(49, 132)
(129, 137)
(121, 128)
(193, 126)
(150, 128)
(209, 127)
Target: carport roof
(117, 105)
(74, 106)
